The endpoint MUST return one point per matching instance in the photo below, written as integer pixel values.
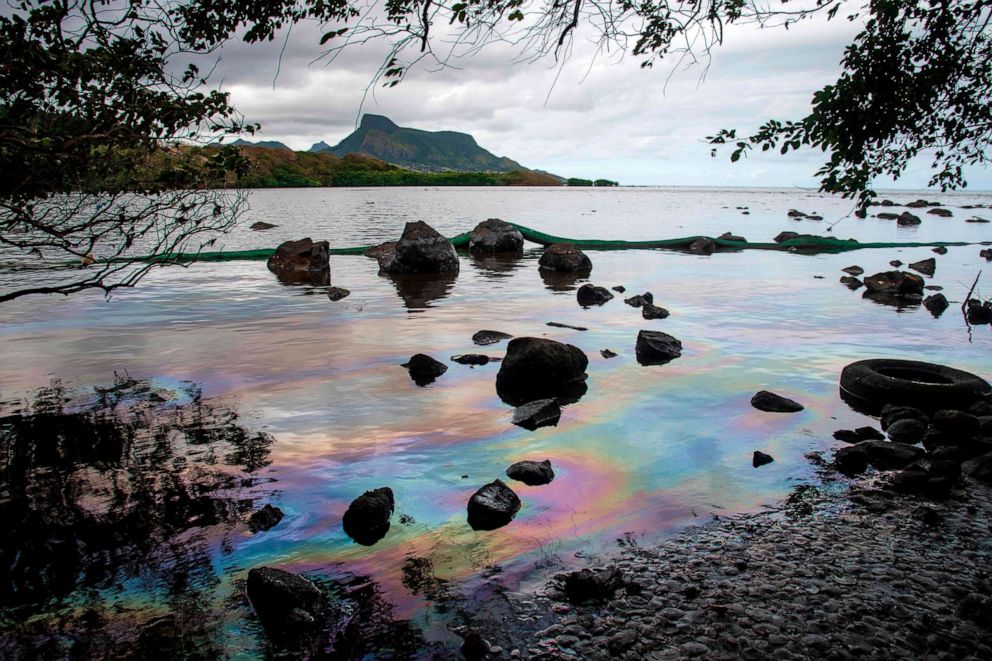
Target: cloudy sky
(597, 116)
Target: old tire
(874, 383)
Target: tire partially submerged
(871, 384)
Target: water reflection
(896, 301)
(500, 265)
(99, 490)
(419, 290)
(311, 278)
(562, 280)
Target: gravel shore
(837, 572)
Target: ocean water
(166, 414)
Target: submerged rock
(619, 289)
(649, 311)
(494, 236)
(531, 473)
(943, 213)
(853, 270)
(656, 348)
(592, 584)
(895, 283)
(727, 236)
(423, 369)
(471, 359)
(539, 413)
(264, 519)
(288, 606)
(925, 266)
(487, 337)
(761, 459)
(940, 250)
(851, 282)
(337, 293)
(640, 299)
(589, 295)
(978, 313)
(537, 368)
(367, 519)
(302, 262)
(565, 257)
(421, 249)
(493, 506)
(764, 400)
(702, 246)
(907, 219)
(261, 226)
(608, 353)
(936, 304)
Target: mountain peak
(372, 122)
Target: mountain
(267, 144)
(320, 146)
(428, 151)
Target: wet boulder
(538, 368)
(955, 423)
(471, 359)
(564, 257)
(884, 455)
(943, 213)
(421, 249)
(727, 236)
(493, 506)
(853, 270)
(940, 250)
(851, 282)
(288, 606)
(656, 348)
(608, 353)
(936, 304)
(887, 216)
(592, 584)
(474, 647)
(851, 460)
(589, 295)
(531, 473)
(786, 236)
(892, 413)
(978, 313)
(979, 468)
(895, 283)
(367, 519)
(423, 369)
(907, 431)
(761, 459)
(925, 266)
(486, 337)
(539, 413)
(907, 219)
(337, 293)
(702, 246)
(649, 311)
(764, 400)
(265, 518)
(640, 299)
(302, 262)
(495, 236)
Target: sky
(597, 116)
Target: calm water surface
(235, 391)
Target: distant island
(380, 153)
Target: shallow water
(304, 405)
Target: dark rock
(495, 236)
(918, 204)
(786, 236)
(539, 413)
(795, 214)
(940, 250)
(936, 304)
(493, 506)
(565, 257)
(640, 299)
(302, 262)
(288, 606)
(471, 359)
(979, 313)
(980, 408)
(591, 295)
(592, 584)
(925, 266)
(764, 400)
(920, 483)
(265, 518)
(895, 283)
(537, 368)
(985, 426)
(847, 436)
(934, 288)
(814, 216)
(474, 647)
(487, 337)
(381, 251)
(420, 250)
(851, 460)
(702, 246)
(977, 219)
(649, 311)
(887, 216)
(423, 369)
(895, 263)
(955, 423)
(979, 468)
(727, 236)
(607, 353)
(760, 459)
(619, 289)
(943, 213)
(869, 434)
(907, 219)
(367, 519)
(656, 348)
(906, 431)
(853, 270)
(891, 413)
(337, 293)
(887, 203)
(531, 473)
(261, 226)
(555, 324)
(987, 254)
(852, 282)
(888, 456)
(937, 467)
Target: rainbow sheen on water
(646, 452)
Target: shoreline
(839, 570)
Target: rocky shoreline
(843, 570)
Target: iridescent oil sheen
(301, 402)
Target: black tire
(880, 381)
